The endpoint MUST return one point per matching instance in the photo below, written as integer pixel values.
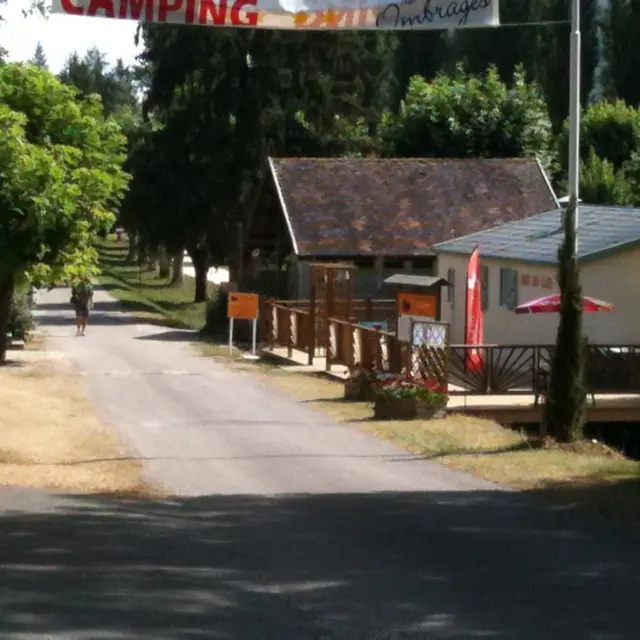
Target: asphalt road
(287, 526)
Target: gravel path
(287, 526)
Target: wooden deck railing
(287, 327)
(610, 368)
(355, 346)
(366, 309)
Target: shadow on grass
(11, 363)
(618, 499)
(116, 261)
(156, 284)
(133, 287)
(455, 564)
(332, 400)
(514, 448)
(122, 272)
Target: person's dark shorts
(82, 311)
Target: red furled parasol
(551, 304)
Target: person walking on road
(82, 300)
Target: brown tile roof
(402, 207)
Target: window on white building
(484, 286)
(508, 287)
(451, 279)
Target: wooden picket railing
(287, 327)
(347, 343)
(356, 346)
(609, 368)
(504, 369)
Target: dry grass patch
(52, 439)
(589, 474)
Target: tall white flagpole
(574, 115)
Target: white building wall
(501, 325)
(615, 279)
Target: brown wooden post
(290, 313)
(368, 308)
(349, 302)
(278, 264)
(329, 309)
(311, 335)
(264, 320)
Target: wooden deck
(503, 409)
(513, 408)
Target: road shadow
(461, 565)
(133, 284)
(172, 335)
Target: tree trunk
(142, 255)
(132, 255)
(152, 260)
(6, 295)
(164, 264)
(201, 267)
(177, 263)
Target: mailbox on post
(419, 299)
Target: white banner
(294, 14)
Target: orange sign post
(243, 306)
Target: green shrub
(216, 322)
(21, 320)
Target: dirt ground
(51, 437)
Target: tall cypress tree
(564, 414)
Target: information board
(242, 306)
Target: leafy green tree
(611, 129)
(226, 100)
(631, 175)
(600, 183)
(60, 162)
(92, 74)
(419, 53)
(565, 408)
(39, 56)
(621, 26)
(468, 116)
(542, 50)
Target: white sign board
(326, 15)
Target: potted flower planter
(388, 407)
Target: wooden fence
(349, 344)
(522, 368)
(504, 368)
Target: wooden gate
(331, 298)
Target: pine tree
(39, 56)
(566, 403)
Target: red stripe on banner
(474, 321)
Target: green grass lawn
(146, 296)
